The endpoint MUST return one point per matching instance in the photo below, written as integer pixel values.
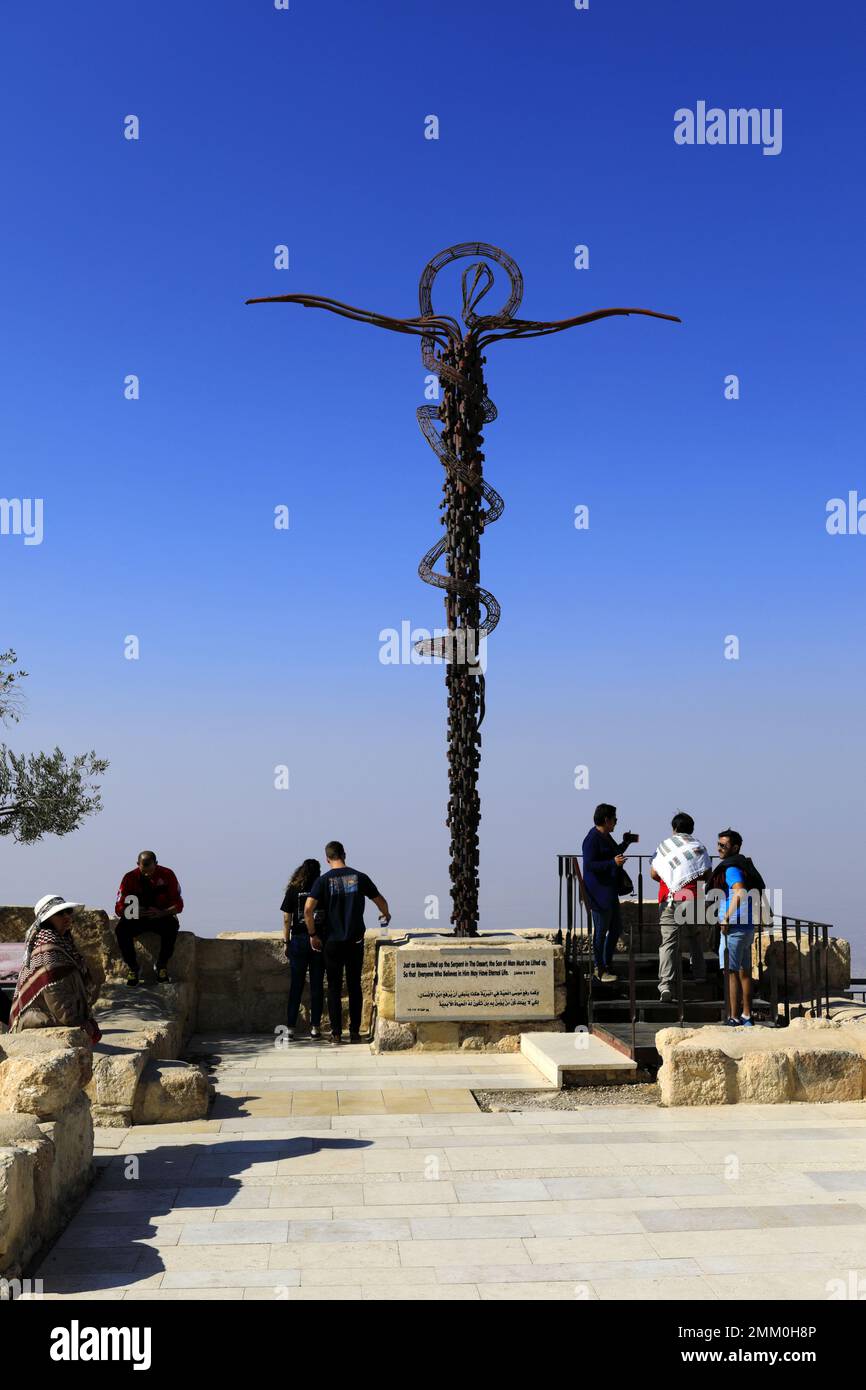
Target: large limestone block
(389, 1036)
(217, 955)
(93, 934)
(171, 1091)
(18, 1130)
(44, 1172)
(437, 1037)
(220, 1010)
(112, 1088)
(20, 1222)
(37, 1075)
(386, 1000)
(265, 1012)
(147, 1016)
(26, 1157)
(264, 956)
(71, 1136)
(694, 1075)
(387, 968)
(826, 1074)
(836, 972)
(764, 1078)
(14, 922)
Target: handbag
(624, 885)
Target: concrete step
(579, 1058)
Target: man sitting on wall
(148, 900)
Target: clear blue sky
(261, 647)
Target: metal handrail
(579, 930)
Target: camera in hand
(629, 838)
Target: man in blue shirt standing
(602, 863)
(736, 925)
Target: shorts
(739, 941)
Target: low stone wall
(811, 1060)
(142, 1033)
(143, 1030)
(243, 983)
(46, 1138)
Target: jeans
(302, 958)
(673, 935)
(606, 929)
(166, 928)
(348, 956)
(739, 942)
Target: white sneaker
(606, 978)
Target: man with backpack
(738, 887)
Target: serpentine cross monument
(468, 506)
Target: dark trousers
(348, 956)
(302, 958)
(166, 928)
(606, 929)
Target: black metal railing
(812, 966)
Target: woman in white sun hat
(54, 987)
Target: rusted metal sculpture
(453, 429)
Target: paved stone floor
(326, 1173)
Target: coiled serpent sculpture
(453, 429)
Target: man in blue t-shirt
(736, 928)
(340, 893)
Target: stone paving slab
(377, 1182)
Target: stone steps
(577, 1058)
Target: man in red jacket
(148, 900)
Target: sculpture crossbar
(453, 429)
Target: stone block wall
(141, 1028)
(812, 1060)
(46, 1138)
(243, 984)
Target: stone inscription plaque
(436, 981)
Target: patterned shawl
(48, 958)
(680, 860)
